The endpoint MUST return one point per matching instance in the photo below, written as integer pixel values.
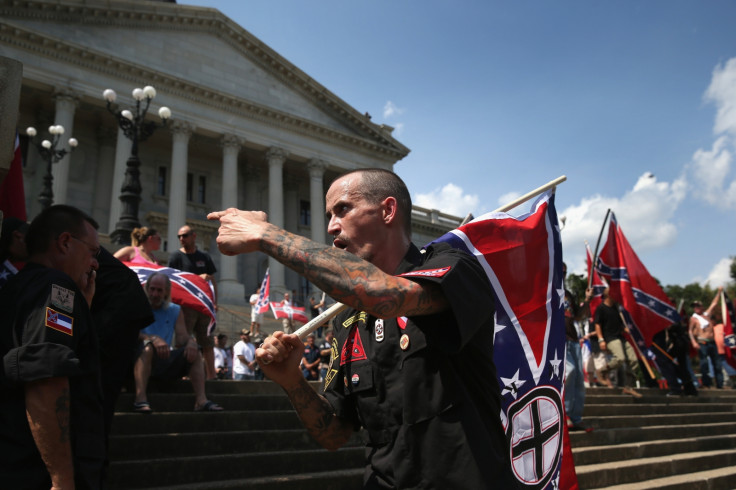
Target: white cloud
(645, 214)
(449, 199)
(508, 197)
(720, 273)
(722, 92)
(710, 170)
(390, 110)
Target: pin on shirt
(379, 330)
(404, 342)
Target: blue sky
(634, 101)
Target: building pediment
(192, 53)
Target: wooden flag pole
(333, 311)
(598, 244)
(636, 348)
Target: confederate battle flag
(523, 260)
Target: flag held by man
(633, 287)
(262, 302)
(523, 260)
(187, 289)
(281, 310)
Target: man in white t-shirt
(255, 318)
(223, 358)
(244, 358)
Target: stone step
(604, 475)
(134, 474)
(324, 480)
(657, 398)
(651, 448)
(655, 409)
(716, 479)
(614, 422)
(191, 422)
(631, 434)
(184, 402)
(153, 446)
(214, 387)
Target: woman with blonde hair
(144, 242)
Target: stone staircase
(258, 443)
(656, 441)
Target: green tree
(577, 284)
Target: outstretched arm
(342, 275)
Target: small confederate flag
(262, 303)
(296, 313)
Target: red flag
(187, 289)
(523, 260)
(261, 305)
(12, 195)
(729, 339)
(597, 284)
(632, 286)
(296, 313)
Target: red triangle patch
(353, 349)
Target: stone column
(228, 287)
(291, 223)
(104, 175)
(181, 132)
(251, 277)
(123, 148)
(66, 104)
(317, 199)
(276, 158)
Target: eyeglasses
(95, 251)
(183, 235)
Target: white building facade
(248, 130)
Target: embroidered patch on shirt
(355, 318)
(62, 298)
(353, 349)
(59, 321)
(427, 272)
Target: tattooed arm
(47, 409)
(279, 358)
(342, 275)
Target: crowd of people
(411, 361)
(601, 353)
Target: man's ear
(389, 209)
(62, 242)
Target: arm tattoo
(350, 279)
(317, 416)
(62, 415)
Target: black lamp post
(51, 154)
(136, 129)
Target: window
(161, 182)
(190, 191)
(201, 189)
(305, 216)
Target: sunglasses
(183, 235)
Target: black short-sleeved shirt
(609, 318)
(45, 332)
(197, 262)
(425, 387)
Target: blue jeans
(243, 377)
(710, 350)
(574, 383)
